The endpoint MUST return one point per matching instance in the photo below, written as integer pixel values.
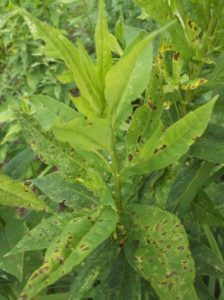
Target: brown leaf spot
(130, 157)
(181, 247)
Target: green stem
(115, 172)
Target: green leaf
(199, 179)
(210, 146)
(204, 211)
(15, 193)
(119, 282)
(12, 231)
(128, 79)
(19, 164)
(103, 52)
(175, 141)
(207, 262)
(58, 189)
(162, 12)
(189, 181)
(78, 239)
(48, 111)
(57, 46)
(78, 133)
(162, 255)
(41, 235)
(140, 131)
(48, 149)
(93, 271)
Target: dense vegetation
(112, 150)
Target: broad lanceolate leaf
(175, 141)
(78, 239)
(162, 254)
(58, 46)
(15, 193)
(48, 149)
(103, 52)
(128, 79)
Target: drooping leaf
(15, 193)
(162, 254)
(78, 239)
(175, 141)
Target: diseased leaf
(19, 164)
(175, 141)
(163, 11)
(93, 271)
(41, 235)
(59, 190)
(15, 193)
(128, 79)
(48, 149)
(162, 254)
(78, 239)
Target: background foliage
(60, 186)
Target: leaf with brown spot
(160, 253)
